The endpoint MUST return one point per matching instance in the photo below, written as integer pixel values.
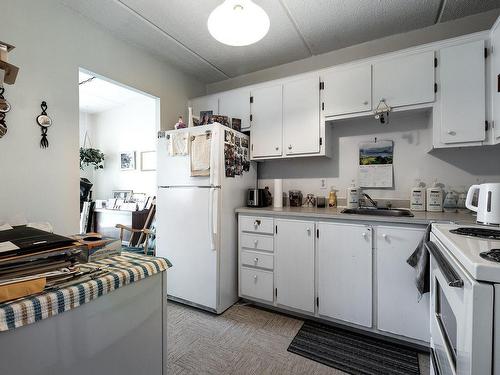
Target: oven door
(461, 317)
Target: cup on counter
(321, 202)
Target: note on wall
(375, 164)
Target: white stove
(467, 249)
(465, 299)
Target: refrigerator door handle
(213, 217)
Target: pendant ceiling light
(238, 23)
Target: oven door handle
(449, 273)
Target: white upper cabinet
(405, 80)
(267, 122)
(461, 86)
(205, 103)
(347, 90)
(301, 118)
(295, 264)
(236, 103)
(400, 310)
(495, 81)
(345, 272)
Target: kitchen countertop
(336, 213)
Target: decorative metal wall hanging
(44, 121)
(4, 108)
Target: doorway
(118, 132)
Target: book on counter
(95, 246)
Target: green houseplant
(91, 156)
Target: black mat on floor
(352, 352)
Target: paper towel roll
(278, 193)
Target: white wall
(130, 127)
(52, 42)
(412, 136)
(446, 30)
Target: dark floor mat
(352, 352)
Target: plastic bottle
(435, 198)
(332, 198)
(450, 201)
(462, 197)
(352, 195)
(417, 197)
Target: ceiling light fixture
(238, 23)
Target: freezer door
(187, 221)
(176, 170)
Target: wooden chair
(146, 241)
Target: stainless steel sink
(378, 211)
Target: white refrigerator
(196, 222)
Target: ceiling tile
(332, 24)
(130, 27)
(186, 21)
(454, 9)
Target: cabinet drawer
(256, 224)
(255, 259)
(255, 242)
(256, 284)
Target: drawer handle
(452, 132)
(255, 277)
(256, 260)
(363, 234)
(308, 231)
(290, 147)
(384, 236)
(365, 102)
(255, 243)
(277, 148)
(256, 223)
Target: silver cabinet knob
(277, 148)
(290, 147)
(308, 231)
(256, 260)
(451, 132)
(256, 223)
(365, 102)
(255, 277)
(363, 234)
(255, 243)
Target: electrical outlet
(322, 184)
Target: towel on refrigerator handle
(200, 155)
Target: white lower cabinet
(399, 309)
(257, 284)
(339, 271)
(294, 268)
(345, 272)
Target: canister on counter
(295, 197)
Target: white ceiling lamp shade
(238, 23)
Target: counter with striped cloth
(123, 269)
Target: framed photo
(124, 195)
(127, 161)
(148, 161)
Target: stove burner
(490, 234)
(493, 255)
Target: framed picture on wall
(148, 161)
(124, 195)
(127, 160)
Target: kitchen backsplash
(413, 158)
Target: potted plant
(91, 156)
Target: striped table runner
(123, 269)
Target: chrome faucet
(374, 203)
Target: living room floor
(243, 340)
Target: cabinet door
(205, 103)
(462, 93)
(405, 80)
(267, 122)
(301, 116)
(399, 309)
(347, 90)
(294, 268)
(345, 272)
(495, 81)
(236, 103)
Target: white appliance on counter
(465, 299)
(196, 220)
(488, 203)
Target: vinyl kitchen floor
(243, 340)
